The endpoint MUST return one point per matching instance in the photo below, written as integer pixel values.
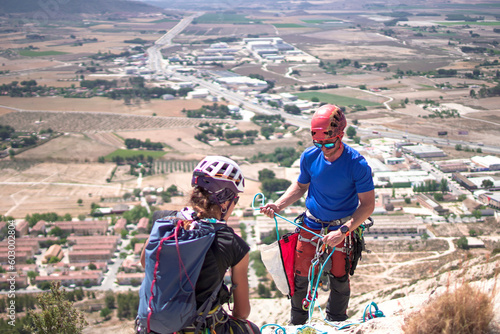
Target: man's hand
(269, 210)
(334, 238)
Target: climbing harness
(321, 264)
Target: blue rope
(283, 330)
(377, 314)
(277, 215)
(315, 289)
(366, 316)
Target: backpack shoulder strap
(206, 307)
(163, 213)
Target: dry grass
(465, 310)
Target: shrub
(462, 311)
(462, 243)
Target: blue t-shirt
(333, 186)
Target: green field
(131, 153)
(287, 25)
(426, 87)
(336, 99)
(31, 53)
(224, 18)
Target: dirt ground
(171, 108)
(69, 170)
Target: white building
(489, 162)
(424, 151)
(198, 94)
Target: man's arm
(364, 210)
(291, 195)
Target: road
(108, 283)
(155, 59)
(157, 64)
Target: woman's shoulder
(162, 214)
(223, 228)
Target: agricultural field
(98, 126)
(336, 99)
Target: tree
(54, 259)
(443, 185)
(477, 214)
(57, 314)
(263, 291)
(350, 132)
(462, 243)
(266, 174)
(109, 300)
(80, 201)
(137, 212)
(292, 109)
(266, 131)
(438, 197)
(270, 187)
(56, 231)
(105, 312)
(32, 275)
(487, 184)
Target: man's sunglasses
(326, 145)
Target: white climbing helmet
(217, 173)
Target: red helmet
(327, 122)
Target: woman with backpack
(216, 182)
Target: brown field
(70, 147)
(52, 187)
(365, 45)
(97, 126)
(164, 108)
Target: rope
(311, 296)
(277, 215)
(283, 330)
(370, 312)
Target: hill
(75, 7)
(400, 303)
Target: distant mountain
(75, 6)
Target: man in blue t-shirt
(340, 197)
